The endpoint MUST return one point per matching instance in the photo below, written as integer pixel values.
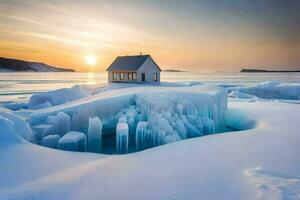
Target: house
(135, 69)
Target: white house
(135, 69)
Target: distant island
(14, 65)
(173, 70)
(266, 71)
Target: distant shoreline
(15, 65)
(267, 71)
(173, 70)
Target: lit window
(115, 76)
(121, 76)
(134, 76)
(130, 76)
(155, 77)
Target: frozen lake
(19, 86)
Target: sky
(202, 35)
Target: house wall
(110, 77)
(149, 68)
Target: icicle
(122, 138)
(95, 135)
(142, 135)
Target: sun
(91, 60)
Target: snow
(271, 186)
(73, 141)
(260, 162)
(94, 135)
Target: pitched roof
(129, 63)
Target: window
(134, 76)
(115, 75)
(122, 76)
(155, 77)
(130, 76)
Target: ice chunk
(20, 126)
(51, 141)
(60, 126)
(95, 135)
(122, 138)
(40, 106)
(268, 90)
(9, 135)
(57, 97)
(73, 141)
(238, 94)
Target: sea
(19, 86)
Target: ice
(60, 126)
(269, 90)
(73, 141)
(171, 113)
(51, 141)
(40, 106)
(81, 110)
(94, 135)
(208, 126)
(180, 128)
(181, 168)
(21, 127)
(122, 138)
(238, 94)
(143, 137)
(40, 131)
(7, 132)
(57, 97)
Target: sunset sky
(203, 35)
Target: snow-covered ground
(260, 162)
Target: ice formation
(143, 137)
(50, 141)
(57, 97)
(122, 137)
(73, 141)
(271, 90)
(94, 135)
(8, 132)
(60, 126)
(141, 117)
(21, 127)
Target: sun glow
(91, 60)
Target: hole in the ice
(138, 124)
(131, 125)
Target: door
(143, 77)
